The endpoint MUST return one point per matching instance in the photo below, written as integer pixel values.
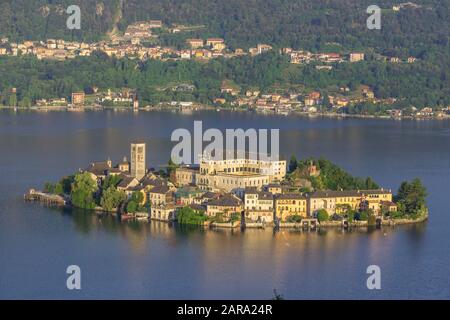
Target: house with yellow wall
(290, 204)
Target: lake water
(156, 261)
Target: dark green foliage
(322, 215)
(43, 19)
(171, 166)
(350, 216)
(293, 163)
(53, 188)
(112, 198)
(411, 197)
(111, 181)
(314, 24)
(333, 177)
(132, 207)
(188, 216)
(294, 219)
(66, 183)
(137, 197)
(362, 216)
(83, 189)
(419, 84)
(235, 216)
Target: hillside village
(140, 41)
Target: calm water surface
(156, 261)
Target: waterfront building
(161, 195)
(258, 206)
(78, 98)
(226, 205)
(340, 201)
(165, 212)
(138, 168)
(291, 204)
(378, 194)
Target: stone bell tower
(138, 167)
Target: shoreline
(308, 224)
(218, 109)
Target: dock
(45, 198)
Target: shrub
(294, 219)
(322, 215)
(362, 216)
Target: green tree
(13, 100)
(350, 216)
(171, 167)
(293, 163)
(411, 197)
(363, 216)
(137, 197)
(49, 187)
(25, 102)
(112, 198)
(132, 207)
(66, 183)
(294, 219)
(322, 215)
(111, 181)
(59, 189)
(235, 216)
(83, 189)
(188, 216)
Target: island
(236, 193)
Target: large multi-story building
(226, 205)
(291, 204)
(339, 201)
(258, 206)
(232, 175)
(138, 168)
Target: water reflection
(138, 233)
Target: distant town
(233, 193)
(140, 42)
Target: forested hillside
(44, 19)
(309, 24)
(421, 31)
(417, 84)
